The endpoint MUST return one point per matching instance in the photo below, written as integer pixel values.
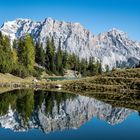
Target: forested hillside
(20, 58)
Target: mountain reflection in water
(22, 110)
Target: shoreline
(115, 81)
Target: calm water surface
(41, 115)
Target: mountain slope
(113, 48)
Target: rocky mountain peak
(115, 32)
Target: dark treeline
(57, 61)
(20, 58)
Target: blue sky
(96, 15)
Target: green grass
(117, 80)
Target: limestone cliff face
(69, 114)
(113, 48)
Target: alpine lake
(28, 114)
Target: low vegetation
(117, 80)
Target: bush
(20, 71)
(37, 72)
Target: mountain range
(112, 48)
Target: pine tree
(75, 62)
(65, 60)
(52, 57)
(26, 52)
(42, 56)
(91, 66)
(100, 68)
(14, 57)
(107, 68)
(39, 54)
(6, 44)
(83, 65)
(59, 57)
(1, 39)
(6, 63)
(95, 68)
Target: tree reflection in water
(22, 110)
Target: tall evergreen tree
(6, 62)
(65, 60)
(106, 68)
(91, 66)
(1, 38)
(39, 54)
(83, 65)
(59, 57)
(26, 52)
(50, 55)
(100, 67)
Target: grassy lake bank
(120, 80)
(117, 80)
